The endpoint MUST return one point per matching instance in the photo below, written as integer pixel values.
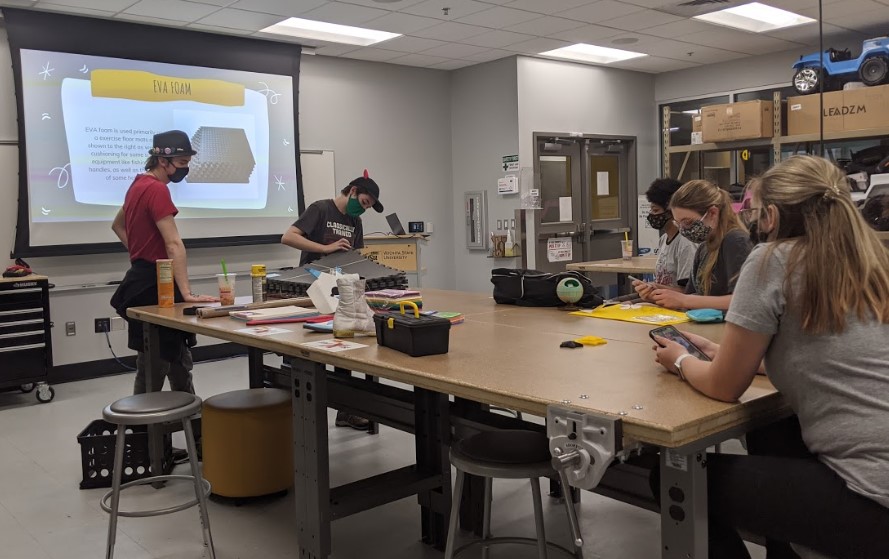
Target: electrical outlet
(429, 227)
(512, 223)
(103, 325)
(70, 329)
(118, 323)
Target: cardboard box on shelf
(747, 120)
(802, 113)
(866, 107)
(849, 110)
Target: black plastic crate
(97, 442)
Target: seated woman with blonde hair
(811, 306)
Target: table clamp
(583, 445)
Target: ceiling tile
(451, 31)
(452, 64)
(154, 20)
(344, 14)
(661, 3)
(834, 12)
(50, 7)
(410, 44)
(678, 29)
(497, 39)
(487, 56)
(240, 19)
(390, 5)
(335, 50)
(457, 8)
(654, 64)
(709, 55)
(499, 17)
(808, 34)
(454, 50)
(738, 41)
(545, 26)
(587, 34)
(641, 20)
(864, 21)
(176, 9)
(419, 60)
(600, 11)
(105, 5)
(797, 5)
(220, 3)
(288, 8)
(214, 29)
(17, 3)
(536, 46)
(373, 54)
(548, 6)
(396, 22)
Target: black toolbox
(414, 334)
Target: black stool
(509, 454)
(150, 409)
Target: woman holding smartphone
(812, 307)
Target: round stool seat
(152, 407)
(511, 454)
(248, 442)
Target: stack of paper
(454, 317)
(274, 313)
(391, 299)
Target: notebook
(274, 313)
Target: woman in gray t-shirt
(812, 307)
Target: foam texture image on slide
(223, 156)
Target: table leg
(311, 458)
(153, 383)
(683, 505)
(254, 367)
(433, 428)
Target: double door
(588, 192)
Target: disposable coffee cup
(226, 288)
(626, 249)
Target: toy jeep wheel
(874, 71)
(807, 80)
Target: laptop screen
(395, 224)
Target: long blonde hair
(699, 196)
(844, 265)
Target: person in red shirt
(146, 228)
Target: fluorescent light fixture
(692, 112)
(591, 53)
(755, 17)
(331, 32)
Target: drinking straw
(224, 269)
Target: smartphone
(642, 280)
(672, 334)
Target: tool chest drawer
(25, 339)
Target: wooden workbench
(508, 357)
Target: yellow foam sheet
(645, 314)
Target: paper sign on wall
(510, 163)
(603, 186)
(559, 249)
(565, 208)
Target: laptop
(395, 224)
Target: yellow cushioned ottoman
(248, 442)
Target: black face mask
(659, 221)
(178, 174)
(881, 223)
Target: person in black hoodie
(145, 226)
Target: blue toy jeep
(871, 67)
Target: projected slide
(89, 123)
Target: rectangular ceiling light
(583, 52)
(755, 17)
(331, 32)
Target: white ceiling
(476, 31)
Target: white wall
(484, 110)
(394, 120)
(566, 97)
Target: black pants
(780, 491)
